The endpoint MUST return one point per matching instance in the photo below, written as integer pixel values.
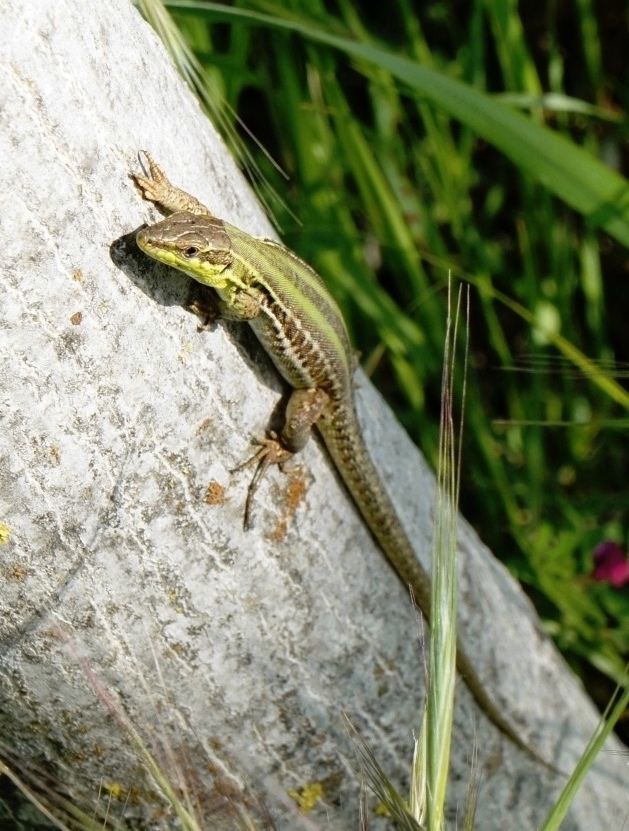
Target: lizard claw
(150, 186)
(271, 452)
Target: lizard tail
(343, 438)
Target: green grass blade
(566, 170)
(602, 732)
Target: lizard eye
(190, 252)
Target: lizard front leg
(303, 410)
(240, 305)
(168, 199)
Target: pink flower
(611, 564)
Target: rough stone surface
(238, 651)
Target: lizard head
(196, 245)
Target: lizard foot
(271, 452)
(206, 307)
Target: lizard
(300, 326)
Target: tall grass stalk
(443, 637)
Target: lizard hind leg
(304, 409)
(271, 452)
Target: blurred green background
(397, 143)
